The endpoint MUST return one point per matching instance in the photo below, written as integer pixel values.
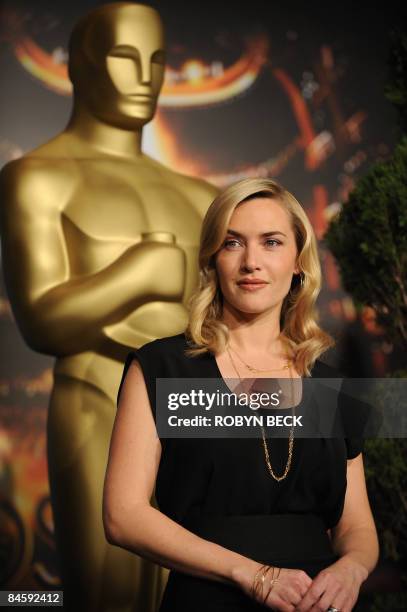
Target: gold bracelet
(255, 579)
(263, 577)
(258, 583)
(254, 584)
(272, 583)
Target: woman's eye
(232, 242)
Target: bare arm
(58, 314)
(355, 536)
(129, 519)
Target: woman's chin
(253, 309)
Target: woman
(244, 524)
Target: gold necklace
(286, 365)
(266, 450)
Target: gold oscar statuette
(99, 248)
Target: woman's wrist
(242, 570)
(351, 562)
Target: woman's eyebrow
(263, 235)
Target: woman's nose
(250, 259)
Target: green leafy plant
(369, 241)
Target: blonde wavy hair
(305, 340)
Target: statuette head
(117, 62)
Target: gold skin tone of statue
(100, 250)
(85, 282)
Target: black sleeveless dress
(221, 490)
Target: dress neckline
(218, 374)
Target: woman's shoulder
(167, 358)
(161, 350)
(158, 358)
(167, 345)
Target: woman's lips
(252, 285)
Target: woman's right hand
(286, 593)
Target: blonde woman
(243, 524)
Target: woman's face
(257, 260)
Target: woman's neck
(255, 334)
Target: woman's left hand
(337, 586)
